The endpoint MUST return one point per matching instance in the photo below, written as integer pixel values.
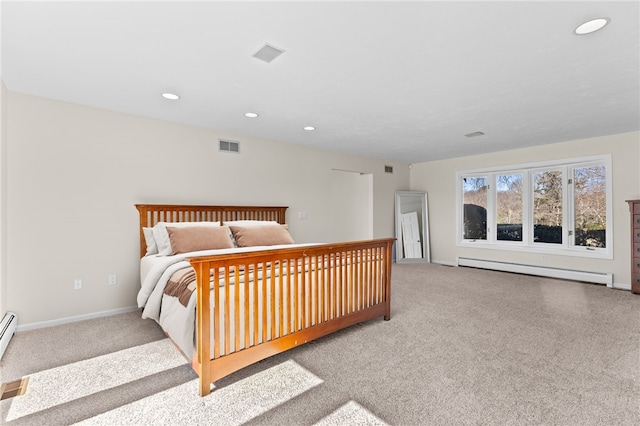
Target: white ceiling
(394, 80)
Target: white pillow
(162, 237)
(152, 247)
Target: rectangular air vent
(229, 146)
(268, 53)
(388, 169)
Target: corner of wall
(3, 198)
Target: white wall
(438, 178)
(351, 192)
(76, 172)
(3, 198)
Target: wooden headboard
(150, 214)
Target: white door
(411, 236)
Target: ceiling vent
(229, 146)
(474, 134)
(268, 53)
(388, 169)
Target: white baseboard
(622, 286)
(444, 262)
(51, 323)
(568, 274)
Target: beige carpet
(464, 346)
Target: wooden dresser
(634, 210)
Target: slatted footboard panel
(255, 305)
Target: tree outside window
(547, 207)
(509, 207)
(590, 206)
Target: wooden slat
(281, 289)
(305, 300)
(256, 309)
(247, 308)
(296, 300)
(236, 307)
(318, 291)
(227, 323)
(272, 300)
(217, 311)
(265, 323)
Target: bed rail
(254, 305)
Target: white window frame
(567, 247)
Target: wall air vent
(388, 169)
(229, 146)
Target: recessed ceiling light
(309, 128)
(170, 96)
(591, 26)
(250, 114)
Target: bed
(226, 306)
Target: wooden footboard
(254, 305)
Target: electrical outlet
(113, 279)
(77, 284)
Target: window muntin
(474, 198)
(573, 217)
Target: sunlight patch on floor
(234, 404)
(60, 385)
(351, 413)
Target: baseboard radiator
(566, 274)
(7, 329)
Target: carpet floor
(463, 347)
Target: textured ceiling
(395, 80)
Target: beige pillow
(261, 235)
(162, 237)
(195, 238)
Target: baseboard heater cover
(567, 274)
(7, 329)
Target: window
(547, 207)
(590, 206)
(475, 208)
(560, 207)
(509, 207)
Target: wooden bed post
(203, 326)
(389, 254)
